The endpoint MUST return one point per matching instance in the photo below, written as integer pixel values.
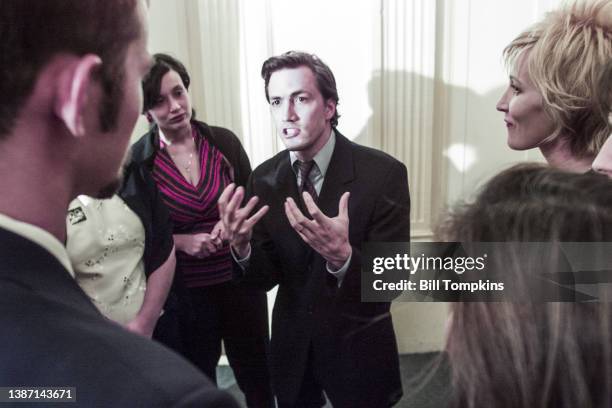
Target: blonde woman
(551, 99)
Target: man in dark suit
(309, 243)
(71, 72)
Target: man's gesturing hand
(327, 236)
(237, 228)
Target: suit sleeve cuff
(339, 274)
(242, 262)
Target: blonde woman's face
(527, 123)
(603, 162)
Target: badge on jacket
(76, 215)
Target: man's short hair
(33, 31)
(295, 59)
(151, 83)
(568, 51)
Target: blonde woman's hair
(605, 86)
(568, 51)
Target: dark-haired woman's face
(172, 109)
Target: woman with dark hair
(191, 163)
(532, 353)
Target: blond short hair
(569, 50)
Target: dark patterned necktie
(306, 184)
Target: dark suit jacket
(353, 342)
(52, 335)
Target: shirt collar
(40, 237)
(323, 156)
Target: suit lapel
(286, 179)
(339, 173)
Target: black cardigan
(140, 193)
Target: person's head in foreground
(551, 100)
(71, 85)
(301, 91)
(603, 161)
(71, 89)
(532, 354)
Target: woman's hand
(199, 245)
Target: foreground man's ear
(330, 108)
(74, 86)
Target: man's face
(111, 147)
(301, 115)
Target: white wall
(475, 35)
(417, 78)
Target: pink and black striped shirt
(193, 209)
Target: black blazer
(354, 342)
(52, 335)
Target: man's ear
(330, 109)
(74, 88)
(149, 117)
